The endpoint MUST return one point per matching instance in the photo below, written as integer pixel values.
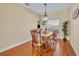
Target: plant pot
(64, 39)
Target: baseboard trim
(74, 48)
(60, 37)
(12, 46)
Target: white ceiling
(51, 7)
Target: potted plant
(65, 30)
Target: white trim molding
(74, 48)
(61, 37)
(12, 46)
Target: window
(53, 24)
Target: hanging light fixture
(45, 17)
(45, 14)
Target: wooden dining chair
(36, 47)
(53, 40)
(47, 41)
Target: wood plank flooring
(62, 49)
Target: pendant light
(45, 14)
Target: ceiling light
(45, 14)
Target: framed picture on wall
(75, 13)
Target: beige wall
(15, 24)
(74, 29)
(63, 16)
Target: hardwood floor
(22, 50)
(62, 49)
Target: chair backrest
(34, 38)
(34, 34)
